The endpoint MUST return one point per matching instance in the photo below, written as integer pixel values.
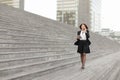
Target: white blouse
(82, 35)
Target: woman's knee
(83, 54)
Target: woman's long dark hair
(83, 24)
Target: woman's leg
(83, 59)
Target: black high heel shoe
(83, 67)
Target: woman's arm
(87, 34)
(78, 35)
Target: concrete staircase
(32, 46)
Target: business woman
(83, 46)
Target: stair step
(35, 49)
(32, 55)
(33, 45)
(15, 62)
(32, 61)
(23, 71)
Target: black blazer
(87, 36)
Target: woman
(83, 45)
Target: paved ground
(103, 68)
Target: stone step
(42, 57)
(24, 61)
(101, 66)
(65, 74)
(20, 56)
(69, 73)
(36, 49)
(17, 62)
(40, 51)
(32, 69)
(35, 22)
(34, 46)
(7, 31)
(102, 70)
(115, 75)
(36, 43)
(41, 41)
(21, 32)
(33, 28)
(112, 73)
(31, 38)
(96, 69)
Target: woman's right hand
(78, 37)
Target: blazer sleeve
(87, 34)
(78, 33)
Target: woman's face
(83, 27)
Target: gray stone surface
(36, 48)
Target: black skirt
(83, 47)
